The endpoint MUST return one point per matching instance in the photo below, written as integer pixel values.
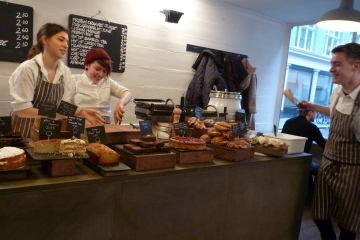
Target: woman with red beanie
(94, 87)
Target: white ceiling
(290, 11)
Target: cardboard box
(295, 144)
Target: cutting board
(189, 156)
(107, 170)
(143, 162)
(120, 134)
(270, 151)
(232, 154)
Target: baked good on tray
(12, 158)
(72, 146)
(188, 143)
(101, 154)
(47, 146)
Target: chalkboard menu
(16, 31)
(87, 33)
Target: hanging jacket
(207, 74)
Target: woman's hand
(119, 113)
(92, 116)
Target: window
(332, 40)
(304, 37)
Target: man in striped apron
(337, 190)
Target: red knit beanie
(96, 53)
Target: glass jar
(164, 131)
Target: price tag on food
(5, 124)
(47, 110)
(75, 124)
(235, 130)
(242, 127)
(145, 127)
(50, 127)
(181, 129)
(96, 134)
(240, 116)
(198, 112)
(66, 109)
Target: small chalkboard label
(242, 127)
(240, 116)
(50, 127)
(259, 134)
(47, 110)
(66, 109)
(235, 130)
(96, 134)
(75, 124)
(145, 127)
(5, 124)
(198, 112)
(181, 129)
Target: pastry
(72, 146)
(240, 143)
(101, 154)
(209, 122)
(199, 125)
(12, 158)
(214, 132)
(222, 126)
(148, 138)
(220, 141)
(188, 143)
(191, 121)
(206, 138)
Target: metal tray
(51, 156)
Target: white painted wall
(157, 64)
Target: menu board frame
(87, 33)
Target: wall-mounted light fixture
(343, 19)
(172, 16)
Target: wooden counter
(258, 198)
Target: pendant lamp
(343, 19)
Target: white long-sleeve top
(96, 96)
(24, 79)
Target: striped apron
(337, 189)
(45, 92)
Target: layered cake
(47, 146)
(188, 143)
(12, 158)
(72, 146)
(101, 154)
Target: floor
(309, 231)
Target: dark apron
(337, 190)
(45, 92)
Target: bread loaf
(101, 154)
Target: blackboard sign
(47, 110)
(181, 129)
(145, 127)
(87, 33)
(198, 112)
(66, 109)
(5, 124)
(75, 124)
(16, 31)
(96, 134)
(49, 127)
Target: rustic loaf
(101, 154)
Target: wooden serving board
(232, 154)
(270, 151)
(120, 134)
(192, 156)
(107, 170)
(143, 162)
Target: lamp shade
(343, 19)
